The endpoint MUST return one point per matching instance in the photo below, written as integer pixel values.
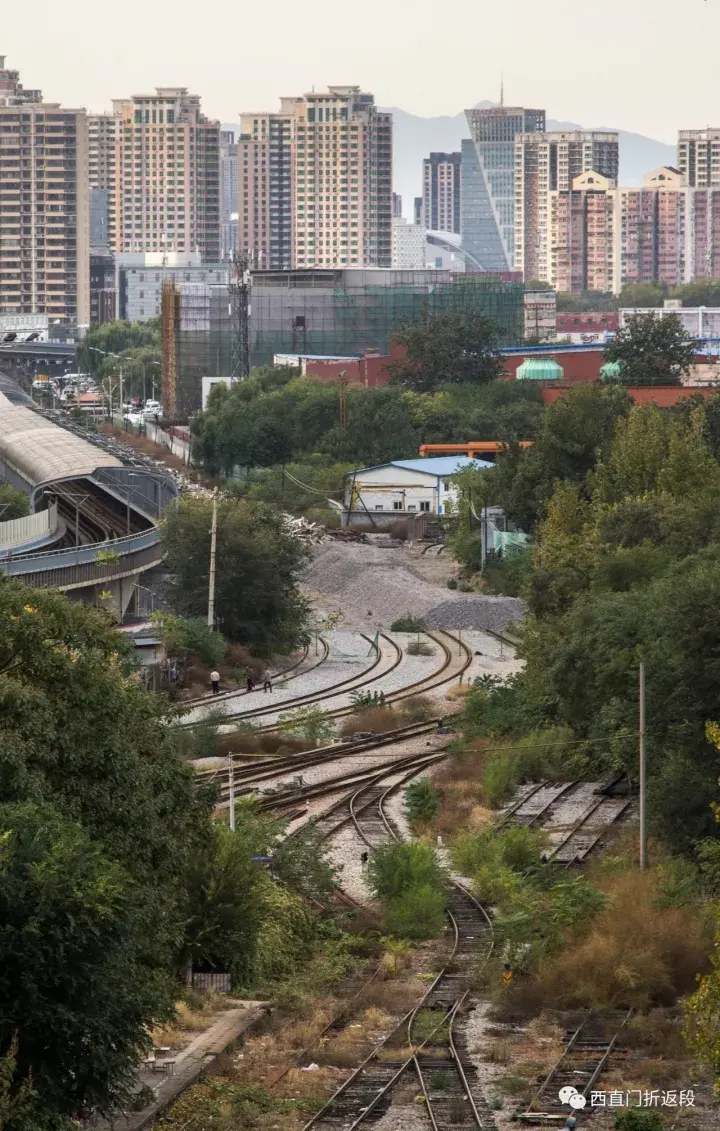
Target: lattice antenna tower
(239, 290)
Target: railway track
(431, 1032)
(350, 683)
(280, 677)
(454, 664)
(588, 1048)
(578, 843)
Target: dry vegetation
(193, 1016)
(375, 719)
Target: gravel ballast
(374, 587)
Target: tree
(257, 563)
(452, 348)
(421, 801)
(13, 503)
(573, 434)
(76, 985)
(115, 337)
(99, 822)
(651, 351)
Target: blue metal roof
(440, 465)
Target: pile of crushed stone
(376, 586)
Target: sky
(637, 65)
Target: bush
(364, 699)
(379, 720)
(419, 913)
(311, 723)
(202, 740)
(638, 1120)
(397, 866)
(418, 709)
(541, 754)
(408, 623)
(633, 953)
(419, 648)
(421, 801)
(452, 583)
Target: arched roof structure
(42, 452)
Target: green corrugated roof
(610, 371)
(539, 369)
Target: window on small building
(397, 506)
(425, 506)
(379, 507)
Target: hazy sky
(642, 65)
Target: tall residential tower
(545, 163)
(488, 182)
(44, 251)
(315, 182)
(441, 192)
(167, 176)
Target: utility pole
(641, 730)
(211, 586)
(231, 785)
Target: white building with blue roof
(403, 488)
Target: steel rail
(348, 684)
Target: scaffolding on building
(334, 312)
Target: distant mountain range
(415, 138)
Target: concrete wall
(663, 395)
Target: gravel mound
(375, 587)
(494, 613)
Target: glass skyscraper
(487, 218)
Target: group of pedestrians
(249, 683)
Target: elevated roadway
(109, 507)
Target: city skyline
(395, 66)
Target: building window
(397, 506)
(424, 506)
(379, 507)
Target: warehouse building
(403, 489)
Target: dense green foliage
(627, 568)
(112, 875)
(421, 801)
(13, 503)
(651, 351)
(455, 348)
(257, 601)
(254, 424)
(98, 823)
(137, 346)
(573, 434)
(193, 636)
(409, 880)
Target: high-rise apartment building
(265, 199)
(550, 162)
(698, 157)
(396, 205)
(44, 214)
(102, 135)
(167, 174)
(315, 182)
(487, 222)
(706, 233)
(441, 192)
(228, 193)
(12, 92)
(342, 150)
(655, 230)
(582, 241)
(603, 238)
